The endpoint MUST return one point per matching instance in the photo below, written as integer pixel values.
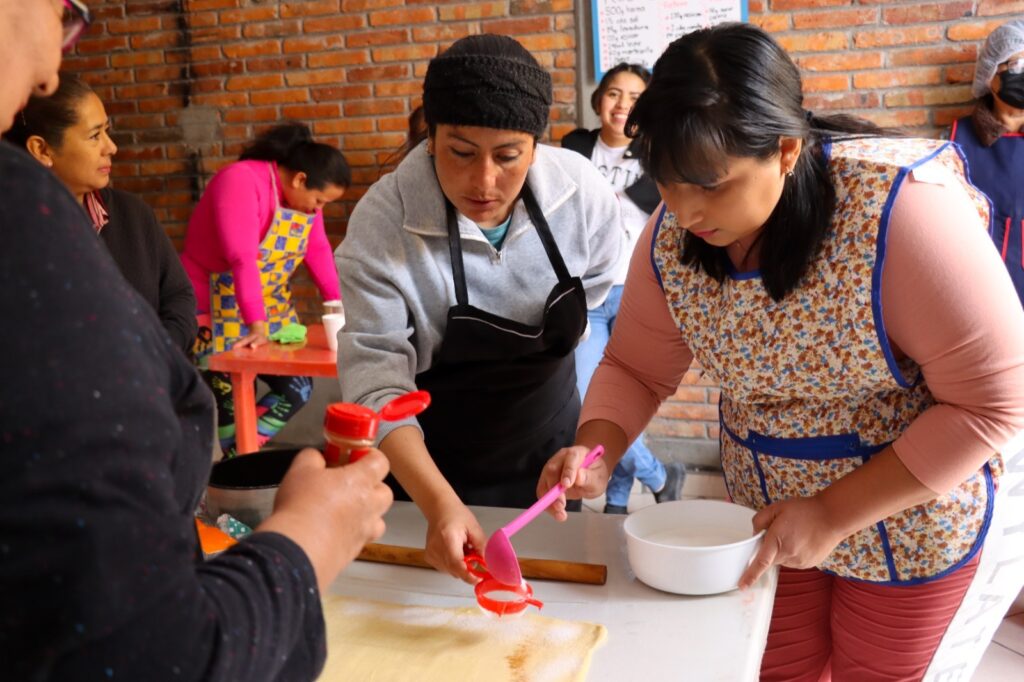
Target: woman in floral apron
(841, 288)
(257, 220)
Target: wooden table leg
(243, 389)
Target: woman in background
(69, 133)
(617, 157)
(992, 139)
(258, 219)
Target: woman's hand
(257, 336)
(331, 512)
(798, 534)
(564, 467)
(451, 530)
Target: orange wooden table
(310, 358)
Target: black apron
(503, 394)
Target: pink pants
(863, 631)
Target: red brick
(343, 126)
(279, 97)
(398, 88)
(289, 63)
(387, 124)
(835, 19)
(163, 104)
(259, 48)
(199, 5)
(973, 30)
(221, 68)
(897, 118)
(90, 63)
(250, 114)
(847, 61)
(246, 15)
(338, 58)
(439, 32)
(479, 10)
(688, 411)
(363, 5)
(772, 23)
(205, 53)
(385, 37)
(518, 26)
(345, 22)
(404, 53)
(376, 73)
(341, 92)
(261, 82)
(299, 78)
(141, 90)
(841, 102)
(93, 45)
(134, 25)
(911, 35)
(391, 17)
(892, 78)
(822, 41)
(224, 99)
(660, 427)
(272, 29)
(308, 8)
(690, 394)
(218, 34)
(935, 11)
(309, 111)
(548, 41)
(991, 7)
(130, 59)
(933, 55)
(317, 44)
(826, 82)
(944, 116)
(945, 94)
(158, 39)
(374, 106)
(565, 60)
(781, 5)
(960, 73)
(374, 141)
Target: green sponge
(290, 333)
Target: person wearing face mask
(105, 453)
(840, 286)
(616, 156)
(468, 272)
(992, 139)
(257, 220)
(68, 132)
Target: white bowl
(691, 546)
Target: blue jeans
(638, 462)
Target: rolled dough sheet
(377, 642)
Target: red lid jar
(348, 428)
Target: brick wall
(188, 82)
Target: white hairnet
(1002, 43)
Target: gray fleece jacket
(396, 276)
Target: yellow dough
(376, 642)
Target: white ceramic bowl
(691, 546)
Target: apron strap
(543, 231)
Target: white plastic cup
(333, 322)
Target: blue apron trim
(883, 535)
(738, 276)
(979, 542)
(876, 275)
(654, 244)
(815, 448)
(967, 173)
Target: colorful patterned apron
(282, 250)
(810, 386)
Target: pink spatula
(499, 555)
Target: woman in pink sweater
(842, 289)
(257, 220)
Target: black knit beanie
(489, 81)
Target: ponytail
(291, 145)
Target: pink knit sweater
(947, 302)
(226, 229)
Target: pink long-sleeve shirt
(947, 302)
(228, 226)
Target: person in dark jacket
(101, 575)
(617, 157)
(69, 134)
(992, 139)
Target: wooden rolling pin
(540, 569)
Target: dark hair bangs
(687, 147)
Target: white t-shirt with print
(621, 173)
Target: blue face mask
(1011, 89)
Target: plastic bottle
(350, 430)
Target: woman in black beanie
(468, 272)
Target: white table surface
(652, 635)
